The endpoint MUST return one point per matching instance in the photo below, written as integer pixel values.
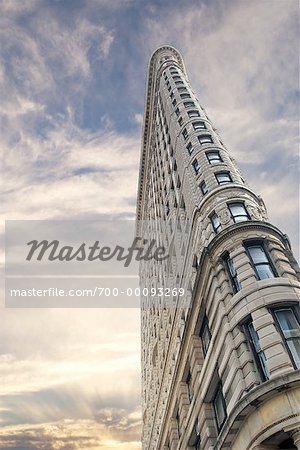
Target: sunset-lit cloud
(73, 78)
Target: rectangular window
(188, 381)
(180, 121)
(205, 139)
(182, 89)
(232, 274)
(205, 336)
(169, 88)
(223, 178)
(260, 358)
(189, 105)
(196, 166)
(176, 77)
(174, 72)
(195, 439)
(177, 112)
(179, 82)
(260, 261)
(238, 212)
(290, 329)
(185, 133)
(193, 113)
(215, 222)
(219, 407)
(203, 187)
(214, 157)
(174, 102)
(185, 96)
(199, 126)
(172, 95)
(189, 148)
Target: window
(169, 88)
(188, 381)
(260, 358)
(223, 178)
(179, 82)
(189, 148)
(189, 105)
(196, 166)
(185, 133)
(205, 335)
(203, 187)
(176, 77)
(172, 95)
(238, 212)
(178, 422)
(180, 121)
(182, 89)
(174, 102)
(193, 113)
(177, 112)
(205, 139)
(215, 222)
(232, 274)
(195, 439)
(214, 157)
(290, 329)
(219, 407)
(260, 261)
(174, 72)
(185, 95)
(199, 126)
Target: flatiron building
(220, 315)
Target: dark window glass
(232, 274)
(223, 177)
(290, 329)
(259, 355)
(174, 102)
(238, 212)
(199, 126)
(193, 113)
(177, 111)
(185, 133)
(195, 439)
(189, 148)
(215, 222)
(205, 139)
(185, 95)
(203, 187)
(196, 166)
(176, 77)
(214, 157)
(180, 121)
(189, 105)
(189, 385)
(219, 407)
(205, 336)
(260, 261)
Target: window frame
(221, 183)
(199, 128)
(295, 310)
(262, 367)
(262, 244)
(219, 227)
(185, 134)
(189, 104)
(219, 390)
(232, 274)
(185, 95)
(239, 215)
(201, 185)
(196, 166)
(201, 136)
(190, 148)
(211, 161)
(205, 327)
(193, 113)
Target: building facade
(220, 315)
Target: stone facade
(220, 364)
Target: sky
(73, 75)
